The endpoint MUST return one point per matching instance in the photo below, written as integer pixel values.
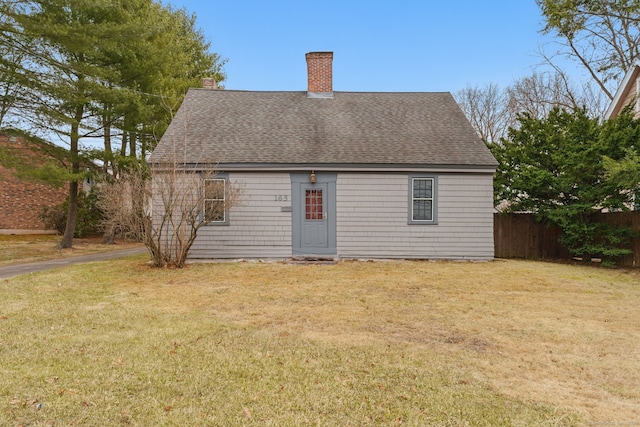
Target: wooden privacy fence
(520, 236)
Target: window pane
(422, 188)
(313, 205)
(422, 210)
(214, 189)
(214, 210)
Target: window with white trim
(422, 200)
(215, 200)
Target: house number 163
(281, 198)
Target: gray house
(338, 174)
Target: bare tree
(487, 109)
(166, 212)
(601, 36)
(539, 93)
(493, 111)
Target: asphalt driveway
(33, 267)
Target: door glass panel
(313, 205)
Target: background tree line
(558, 156)
(600, 37)
(109, 72)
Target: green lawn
(357, 343)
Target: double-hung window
(215, 201)
(422, 199)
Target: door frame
(299, 181)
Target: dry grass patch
(356, 343)
(26, 248)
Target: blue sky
(406, 45)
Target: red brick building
(20, 200)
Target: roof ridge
(304, 91)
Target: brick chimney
(209, 83)
(320, 74)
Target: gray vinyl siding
(372, 214)
(371, 219)
(258, 227)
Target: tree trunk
(123, 147)
(143, 149)
(132, 144)
(108, 238)
(67, 239)
(108, 153)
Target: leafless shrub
(166, 212)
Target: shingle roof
(382, 128)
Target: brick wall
(22, 201)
